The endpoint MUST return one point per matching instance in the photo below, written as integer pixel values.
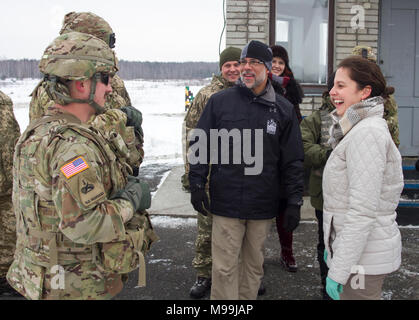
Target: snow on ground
(161, 102)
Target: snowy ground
(162, 104)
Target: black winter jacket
(236, 194)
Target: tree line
(128, 70)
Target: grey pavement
(170, 274)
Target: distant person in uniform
(9, 133)
(230, 73)
(390, 105)
(315, 134)
(80, 226)
(90, 23)
(362, 184)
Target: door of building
(399, 61)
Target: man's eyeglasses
(105, 78)
(251, 62)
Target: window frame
(310, 88)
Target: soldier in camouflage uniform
(87, 22)
(229, 67)
(390, 105)
(9, 133)
(77, 207)
(315, 134)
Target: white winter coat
(362, 183)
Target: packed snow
(161, 102)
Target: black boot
(200, 288)
(262, 289)
(7, 290)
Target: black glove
(137, 192)
(291, 217)
(328, 152)
(134, 119)
(199, 200)
(417, 165)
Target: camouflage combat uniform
(77, 234)
(390, 105)
(202, 261)
(9, 133)
(78, 218)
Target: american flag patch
(74, 167)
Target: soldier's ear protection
(112, 40)
(364, 53)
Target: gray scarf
(355, 113)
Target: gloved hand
(199, 200)
(134, 119)
(325, 256)
(333, 289)
(137, 192)
(417, 165)
(291, 217)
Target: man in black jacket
(250, 137)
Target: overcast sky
(146, 30)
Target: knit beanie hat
(229, 54)
(281, 52)
(258, 50)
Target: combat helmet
(87, 22)
(365, 52)
(76, 56)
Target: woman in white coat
(362, 183)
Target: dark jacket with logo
(233, 192)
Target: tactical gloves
(200, 201)
(291, 217)
(134, 119)
(333, 289)
(137, 192)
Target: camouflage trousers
(7, 234)
(203, 259)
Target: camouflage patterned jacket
(217, 84)
(9, 133)
(68, 174)
(391, 116)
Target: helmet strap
(55, 95)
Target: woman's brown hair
(364, 73)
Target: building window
(301, 26)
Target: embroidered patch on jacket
(271, 127)
(74, 167)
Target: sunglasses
(105, 78)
